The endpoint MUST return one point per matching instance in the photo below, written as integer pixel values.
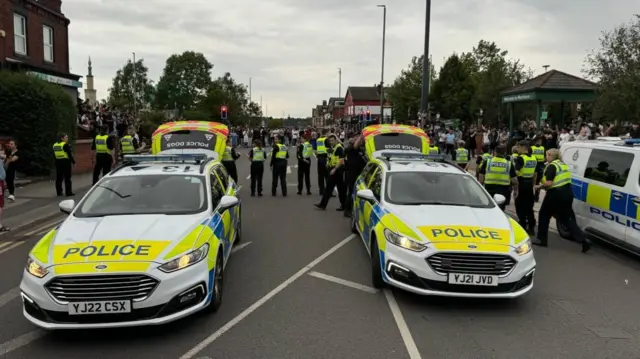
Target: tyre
(354, 225)
(239, 229)
(218, 284)
(376, 269)
(563, 230)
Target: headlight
(524, 248)
(186, 260)
(36, 269)
(404, 242)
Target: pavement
(298, 286)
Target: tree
(130, 86)
(616, 65)
(274, 123)
(406, 91)
(184, 81)
(453, 91)
(226, 91)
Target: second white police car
(147, 245)
(432, 229)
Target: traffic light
(223, 112)
(368, 116)
(361, 116)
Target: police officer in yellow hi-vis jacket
(228, 160)
(321, 156)
(462, 156)
(498, 176)
(105, 159)
(64, 163)
(304, 153)
(257, 156)
(537, 151)
(129, 144)
(433, 149)
(279, 164)
(558, 201)
(527, 177)
(336, 176)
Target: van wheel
(563, 230)
(354, 225)
(239, 228)
(218, 284)
(376, 269)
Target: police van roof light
(166, 158)
(632, 141)
(404, 155)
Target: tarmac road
(298, 286)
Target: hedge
(33, 112)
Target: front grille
(471, 263)
(103, 287)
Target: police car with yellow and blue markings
(605, 178)
(147, 245)
(432, 229)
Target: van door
(604, 192)
(633, 206)
(576, 157)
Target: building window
(47, 41)
(20, 34)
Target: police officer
(321, 156)
(462, 156)
(257, 156)
(336, 176)
(129, 144)
(64, 163)
(498, 175)
(558, 201)
(105, 159)
(480, 160)
(433, 149)
(537, 151)
(304, 153)
(526, 170)
(278, 165)
(229, 160)
(356, 160)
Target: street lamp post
(250, 90)
(384, 37)
(339, 82)
(426, 66)
(135, 105)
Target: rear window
(397, 141)
(188, 139)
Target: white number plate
(473, 279)
(106, 307)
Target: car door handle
(636, 201)
(617, 195)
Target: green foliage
(616, 65)
(184, 82)
(274, 123)
(453, 91)
(33, 113)
(149, 122)
(406, 91)
(131, 87)
(226, 91)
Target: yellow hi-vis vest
(258, 155)
(334, 160)
(101, 144)
(529, 168)
(462, 155)
(282, 152)
(307, 150)
(58, 151)
(227, 156)
(434, 150)
(563, 176)
(485, 157)
(321, 147)
(497, 172)
(538, 153)
(127, 145)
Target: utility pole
(426, 66)
(249, 90)
(339, 82)
(135, 105)
(384, 36)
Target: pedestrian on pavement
(279, 163)
(526, 170)
(336, 175)
(558, 201)
(3, 186)
(356, 160)
(104, 146)
(11, 165)
(304, 153)
(64, 162)
(229, 160)
(498, 176)
(321, 157)
(257, 157)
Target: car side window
(367, 172)
(223, 175)
(216, 191)
(376, 184)
(611, 167)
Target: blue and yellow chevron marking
(608, 203)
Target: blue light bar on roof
(196, 157)
(412, 155)
(632, 141)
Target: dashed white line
(407, 338)
(21, 341)
(249, 177)
(45, 227)
(239, 247)
(233, 322)
(288, 169)
(344, 282)
(6, 247)
(9, 296)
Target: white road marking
(288, 169)
(44, 227)
(239, 247)
(6, 244)
(346, 283)
(296, 166)
(12, 246)
(409, 343)
(249, 177)
(233, 322)
(9, 296)
(21, 341)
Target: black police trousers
(63, 173)
(336, 180)
(558, 203)
(304, 174)
(350, 183)
(257, 172)
(232, 169)
(524, 204)
(323, 173)
(279, 173)
(103, 164)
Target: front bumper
(409, 271)
(165, 304)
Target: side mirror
(67, 206)
(500, 199)
(366, 194)
(227, 202)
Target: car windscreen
(397, 141)
(435, 188)
(188, 139)
(146, 194)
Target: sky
(292, 49)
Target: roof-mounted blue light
(632, 141)
(412, 155)
(166, 158)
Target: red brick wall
(84, 156)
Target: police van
(606, 187)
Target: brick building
(361, 98)
(34, 38)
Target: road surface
(298, 286)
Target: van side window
(611, 167)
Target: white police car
(431, 228)
(147, 245)
(605, 180)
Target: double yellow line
(7, 246)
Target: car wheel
(354, 224)
(376, 269)
(239, 228)
(218, 284)
(563, 230)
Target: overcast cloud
(293, 48)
